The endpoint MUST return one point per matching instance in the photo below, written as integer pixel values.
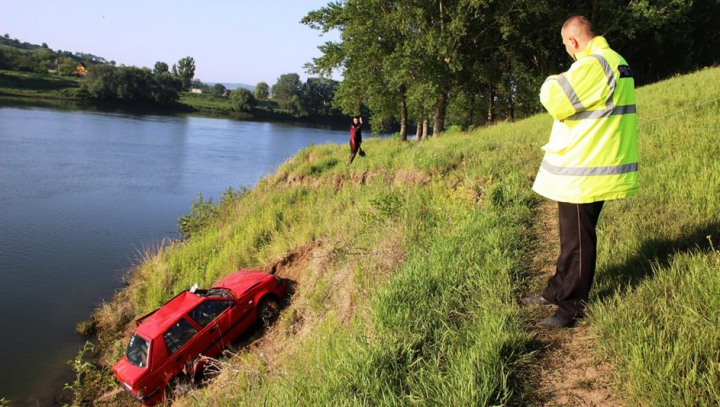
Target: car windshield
(137, 351)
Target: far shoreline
(40, 87)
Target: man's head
(577, 32)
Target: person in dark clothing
(356, 138)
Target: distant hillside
(232, 86)
(13, 43)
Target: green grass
(206, 102)
(221, 106)
(658, 314)
(32, 84)
(424, 250)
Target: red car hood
(241, 281)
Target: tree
(131, 84)
(185, 70)
(287, 87)
(242, 100)
(166, 88)
(218, 89)
(101, 82)
(478, 61)
(67, 67)
(262, 91)
(372, 54)
(5, 61)
(316, 96)
(134, 84)
(160, 68)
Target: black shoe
(537, 300)
(557, 321)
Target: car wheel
(178, 386)
(268, 311)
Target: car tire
(268, 310)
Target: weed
(89, 377)
(203, 212)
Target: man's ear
(574, 42)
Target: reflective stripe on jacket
(592, 153)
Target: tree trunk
(403, 114)
(511, 107)
(491, 106)
(440, 109)
(418, 131)
(511, 92)
(471, 111)
(425, 129)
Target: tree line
(473, 62)
(163, 84)
(140, 85)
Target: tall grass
(442, 327)
(426, 249)
(658, 292)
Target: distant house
(80, 70)
(195, 90)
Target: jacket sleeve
(554, 99)
(583, 87)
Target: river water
(82, 193)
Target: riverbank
(407, 266)
(106, 183)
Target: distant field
(24, 83)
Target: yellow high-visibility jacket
(592, 153)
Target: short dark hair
(581, 21)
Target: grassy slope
(659, 320)
(37, 85)
(425, 249)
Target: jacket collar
(597, 43)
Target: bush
(203, 212)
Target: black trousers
(570, 286)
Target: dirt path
(566, 371)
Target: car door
(236, 319)
(184, 344)
(211, 315)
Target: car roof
(158, 322)
(241, 281)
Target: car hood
(241, 281)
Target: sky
(241, 41)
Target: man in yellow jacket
(591, 157)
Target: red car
(165, 348)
